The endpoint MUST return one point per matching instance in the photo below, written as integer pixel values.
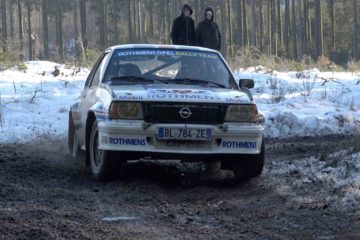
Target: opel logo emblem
(185, 112)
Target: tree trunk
(142, 20)
(224, 46)
(332, 19)
(134, 22)
(130, 32)
(305, 32)
(254, 23)
(160, 20)
(240, 25)
(299, 30)
(245, 24)
(12, 22)
(60, 41)
(21, 28)
(100, 6)
(318, 29)
(114, 38)
(29, 30)
(106, 29)
(104, 39)
(273, 27)
(45, 28)
(76, 20)
(287, 28)
(4, 25)
(201, 9)
(261, 34)
(83, 23)
(229, 16)
(79, 43)
(198, 10)
(269, 27)
(138, 20)
(294, 31)
(151, 19)
(168, 22)
(355, 31)
(279, 23)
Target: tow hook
(145, 126)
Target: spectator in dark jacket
(183, 28)
(207, 32)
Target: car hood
(179, 93)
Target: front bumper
(136, 136)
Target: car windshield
(164, 66)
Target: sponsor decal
(239, 145)
(168, 53)
(189, 94)
(127, 141)
(237, 100)
(179, 91)
(130, 97)
(184, 96)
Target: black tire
(249, 167)
(102, 166)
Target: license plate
(185, 134)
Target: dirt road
(307, 191)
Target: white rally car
(166, 102)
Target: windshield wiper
(199, 81)
(135, 79)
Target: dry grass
(245, 57)
(353, 66)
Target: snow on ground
(308, 103)
(329, 181)
(35, 103)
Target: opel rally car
(166, 102)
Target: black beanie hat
(187, 6)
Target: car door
(88, 96)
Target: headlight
(126, 110)
(242, 113)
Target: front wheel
(102, 167)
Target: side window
(91, 74)
(100, 68)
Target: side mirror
(246, 83)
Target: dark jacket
(183, 30)
(208, 33)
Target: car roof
(160, 46)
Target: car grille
(170, 113)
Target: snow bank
(308, 103)
(35, 103)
